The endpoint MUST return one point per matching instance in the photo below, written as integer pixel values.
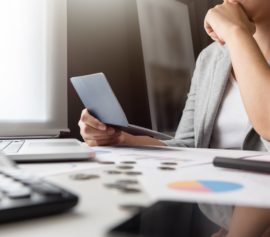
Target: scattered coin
(166, 168)
(127, 181)
(122, 188)
(129, 162)
(169, 163)
(130, 190)
(115, 186)
(106, 162)
(113, 172)
(133, 173)
(125, 167)
(83, 176)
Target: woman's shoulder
(213, 52)
(208, 59)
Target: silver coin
(113, 172)
(169, 163)
(125, 167)
(127, 181)
(166, 168)
(129, 162)
(106, 162)
(115, 186)
(130, 190)
(122, 187)
(83, 176)
(133, 173)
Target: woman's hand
(95, 133)
(221, 21)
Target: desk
(97, 211)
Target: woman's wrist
(129, 139)
(237, 33)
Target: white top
(232, 123)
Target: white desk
(98, 209)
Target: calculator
(24, 195)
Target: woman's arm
(128, 139)
(228, 23)
(249, 222)
(253, 76)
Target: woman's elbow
(263, 128)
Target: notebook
(41, 150)
(98, 97)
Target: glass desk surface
(181, 219)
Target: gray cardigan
(208, 85)
(195, 129)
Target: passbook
(98, 97)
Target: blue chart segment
(206, 186)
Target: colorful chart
(206, 186)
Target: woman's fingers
(221, 21)
(92, 121)
(88, 132)
(215, 37)
(104, 142)
(95, 133)
(209, 30)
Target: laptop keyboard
(11, 146)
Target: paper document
(207, 184)
(265, 158)
(153, 157)
(52, 169)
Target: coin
(133, 173)
(113, 172)
(130, 190)
(169, 163)
(127, 181)
(129, 162)
(125, 167)
(166, 168)
(83, 176)
(114, 186)
(106, 162)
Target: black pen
(242, 164)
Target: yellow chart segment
(189, 186)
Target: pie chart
(205, 186)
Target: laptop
(98, 97)
(44, 150)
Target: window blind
(33, 67)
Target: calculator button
(10, 171)
(29, 180)
(19, 193)
(7, 185)
(46, 189)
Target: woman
(228, 105)
(226, 23)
